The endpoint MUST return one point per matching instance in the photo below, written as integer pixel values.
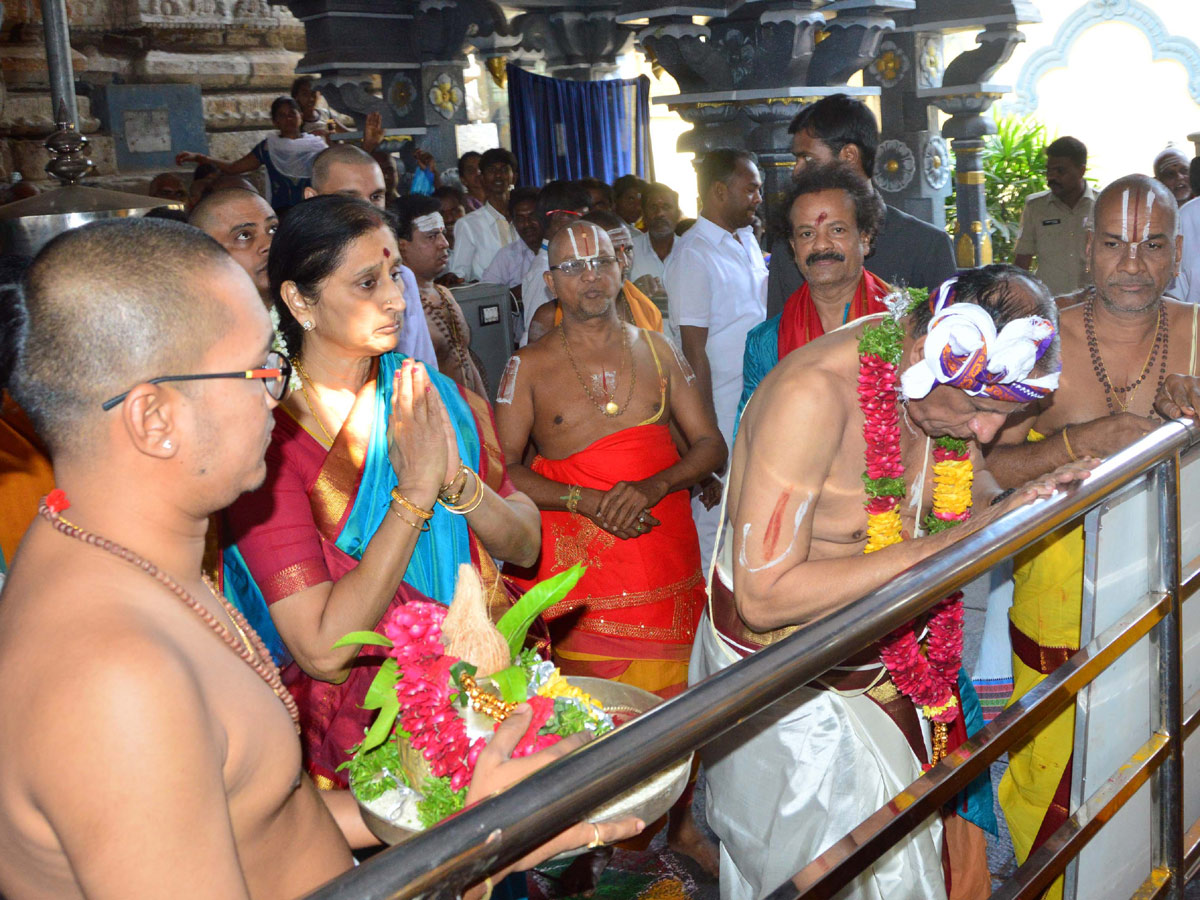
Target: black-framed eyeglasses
(274, 376)
(573, 268)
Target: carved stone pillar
(912, 167)
(401, 58)
(743, 77)
(240, 55)
(966, 95)
(579, 44)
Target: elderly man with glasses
(594, 397)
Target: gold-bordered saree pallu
(348, 499)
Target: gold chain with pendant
(610, 408)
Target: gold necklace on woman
(609, 409)
(307, 400)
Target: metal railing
(442, 862)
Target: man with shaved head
(594, 397)
(143, 358)
(1130, 358)
(352, 172)
(243, 223)
(142, 461)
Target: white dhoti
(788, 783)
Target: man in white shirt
(559, 204)
(716, 284)
(478, 236)
(512, 262)
(652, 247)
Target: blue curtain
(575, 129)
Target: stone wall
(242, 54)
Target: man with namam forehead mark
(594, 397)
(789, 783)
(1129, 361)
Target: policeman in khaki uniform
(1054, 222)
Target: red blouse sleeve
(274, 528)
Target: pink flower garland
(424, 689)
(426, 713)
(928, 680)
(877, 382)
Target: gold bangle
(487, 882)
(422, 514)
(421, 525)
(472, 504)
(1067, 444)
(572, 498)
(444, 492)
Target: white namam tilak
(1128, 228)
(508, 381)
(431, 222)
(1149, 210)
(591, 247)
(1125, 231)
(963, 350)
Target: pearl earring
(167, 444)
(308, 326)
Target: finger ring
(641, 528)
(641, 517)
(596, 842)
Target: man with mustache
(832, 218)
(652, 247)
(907, 251)
(1171, 168)
(1054, 222)
(512, 261)
(1121, 339)
(421, 236)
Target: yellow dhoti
(1045, 618)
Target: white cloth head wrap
(963, 350)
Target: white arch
(1163, 45)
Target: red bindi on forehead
(822, 217)
(387, 254)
